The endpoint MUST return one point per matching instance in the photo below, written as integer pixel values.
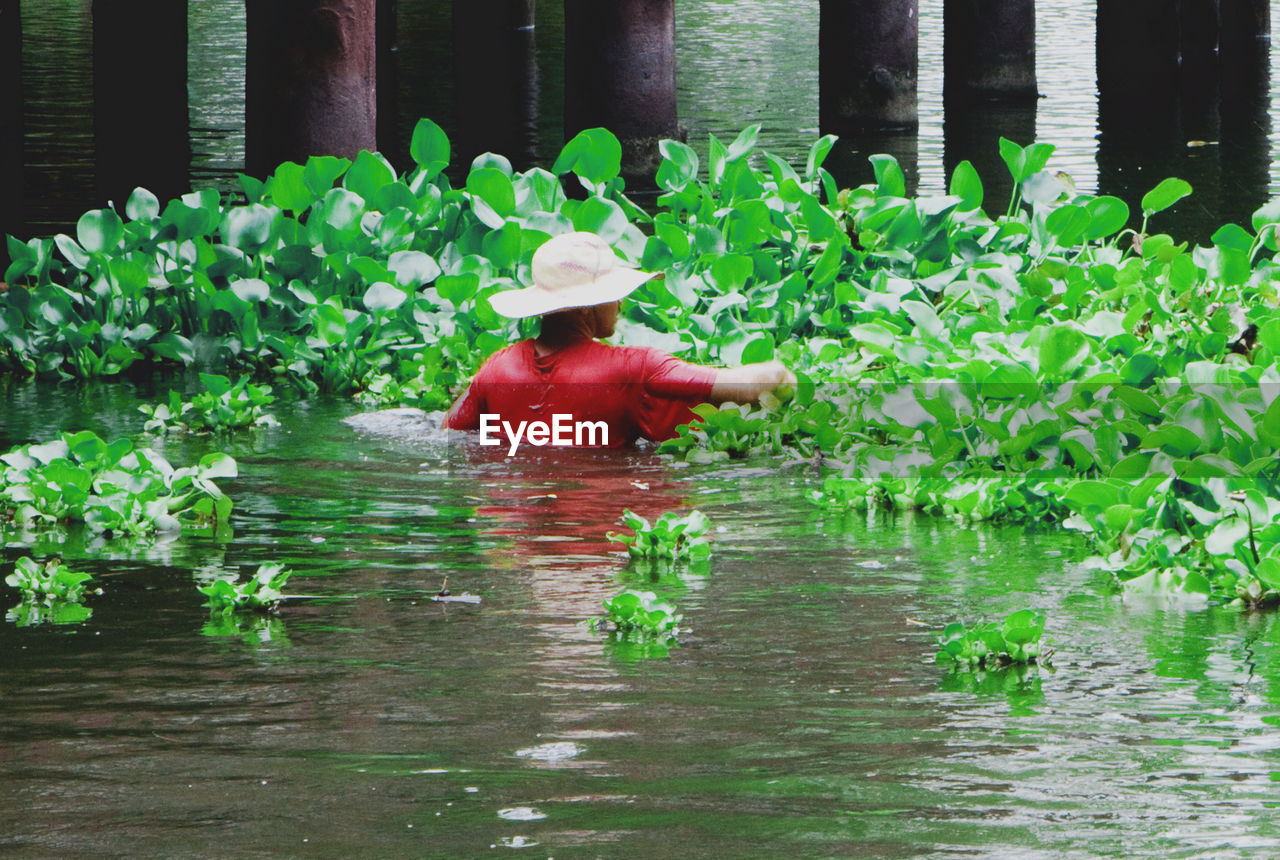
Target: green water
(801, 716)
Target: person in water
(578, 387)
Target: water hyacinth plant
(671, 536)
(259, 593)
(988, 645)
(222, 406)
(111, 487)
(1060, 360)
(51, 592)
(50, 579)
(640, 615)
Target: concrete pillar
(310, 80)
(620, 73)
(496, 70)
(1140, 140)
(1137, 58)
(1198, 71)
(11, 159)
(868, 57)
(141, 131)
(989, 50)
(387, 76)
(1244, 59)
(1244, 21)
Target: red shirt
(635, 390)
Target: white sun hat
(572, 270)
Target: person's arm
(464, 414)
(747, 383)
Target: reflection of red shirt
(637, 391)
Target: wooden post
(989, 50)
(11, 159)
(140, 123)
(496, 70)
(868, 57)
(620, 73)
(310, 80)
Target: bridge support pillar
(11, 159)
(310, 80)
(141, 135)
(989, 50)
(497, 79)
(620, 73)
(868, 58)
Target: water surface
(738, 63)
(802, 714)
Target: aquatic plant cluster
(1049, 362)
(109, 487)
(51, 592)
(671, 536)
(987, 645)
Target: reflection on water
(801, 714)
(738, 62)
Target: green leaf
(967, 185)
(679, 165)
(457, 288)
(430, 148)
(1164, 195)
(602, 217)
(382, 297)
(1268, 571)
(321, 171)
(1107, 215)
(759, 349)
(142, 205)
(413, 268)
(1009, 382)
(99, 230)
(495, 188)
(342, 210)
(368, 174)
(743, 143)
(818, 154)
(732, 271)
(249, 227)
(251, 290)
(1063, 348)
(890, 180)
(218, 465)
(1068, 223)
(288, 189)
(594, 154)
(1024, 163)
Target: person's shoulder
(518, 353)
(519, 348)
